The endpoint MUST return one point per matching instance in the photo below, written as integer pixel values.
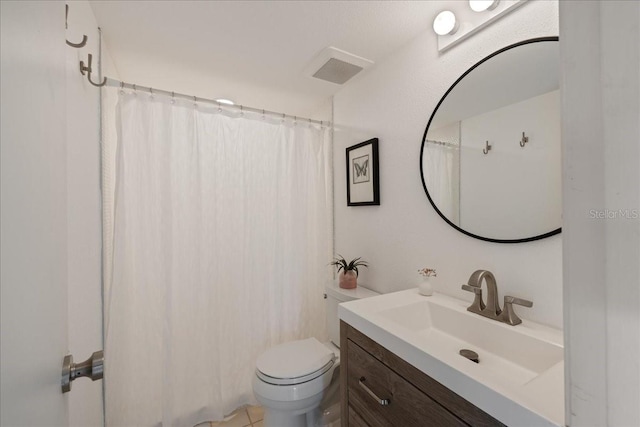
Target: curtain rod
(447, 144)
(117, 83)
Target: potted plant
(348, 271)
(425, 287)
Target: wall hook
(87, 69)
(524, 140)
(487, 148)
(66, 26)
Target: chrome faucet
(492, 308)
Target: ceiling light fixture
(445, 23)
(482, 5)
(225, 101)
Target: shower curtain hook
(309, 123)
(219, 107)
(121, 88)
(241, 112)
(283, 118)
(135, 90)
(173, 97)
(151, 92)
(263, 114)
(295, 120)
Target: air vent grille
(337, 71)
(336, 66)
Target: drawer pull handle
(383, 402)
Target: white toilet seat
(295, 380)
(294, 359)
(295, 370)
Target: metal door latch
(93, 368)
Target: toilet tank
(335, 295)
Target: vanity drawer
(417, 400)
(408, 405)
(356, 420)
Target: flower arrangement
(428, 272)
(353, 265)
(424, 287)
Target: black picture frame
(363, 174)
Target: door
(50, 230)
(33, 205)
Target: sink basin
(520, 375)
(505, 350)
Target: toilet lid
(295, 359)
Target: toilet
(297, 381)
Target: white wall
(600, 62)
(512, 192)
(84, 211)
(33, 214)
(393, 101)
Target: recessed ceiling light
(225, 101)
(445, 23)
(482, 5)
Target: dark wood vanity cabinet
(371, 374)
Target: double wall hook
(487, 148)
(66, 26)
(524, 140)
(87, 69)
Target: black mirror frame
(424, 138)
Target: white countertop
(514, 395)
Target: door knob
(92, 368)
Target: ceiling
(253, 52)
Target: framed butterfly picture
(363, 181)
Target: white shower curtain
(442, 176)
(220, 250)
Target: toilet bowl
(293, 379)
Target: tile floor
(250, 416)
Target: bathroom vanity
(381, 389)
(401, 365)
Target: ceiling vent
(336, 66)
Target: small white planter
(425, 287)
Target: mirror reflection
(491, 163)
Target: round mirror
(490, 158)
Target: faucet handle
(477, 305)
(508, 315)
(476, 290)
(519, 301)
